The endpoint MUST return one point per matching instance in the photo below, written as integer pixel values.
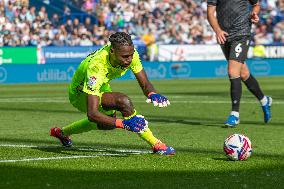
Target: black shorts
(236, 49)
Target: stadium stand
(90, 22)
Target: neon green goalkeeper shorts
(79, 99)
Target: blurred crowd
(151, 22)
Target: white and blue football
(237, 147)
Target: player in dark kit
(232, 25)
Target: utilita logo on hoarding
(48, 75)
(156, 73)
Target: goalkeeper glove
(136, 124)
(157, 99)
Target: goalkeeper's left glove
(157, 99)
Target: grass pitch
(30, 158)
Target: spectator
(69, 26)
(150, 41)
(31, 15)
(42, 13)
(66, 11)
(76, 24)
(57, 41)
(88, 24)
(9, 12)
(278, 32)
(55, 20)
(85, 41)
(88, 6)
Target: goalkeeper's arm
(149, 90)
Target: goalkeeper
(90, 92)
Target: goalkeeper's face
(123, 55)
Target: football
(237, 147)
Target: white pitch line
(85, 148)
(17, 146)
(114, 152)
(57, 158)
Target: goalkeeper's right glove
(136, 124)
(157, 99)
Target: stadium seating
(169, 22)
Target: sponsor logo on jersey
(91, 82)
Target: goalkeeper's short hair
(120, 39)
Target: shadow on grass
(200, 93)
(127, 149)
(195, 121)
(32, 109)
(88, 175)
(190, 121)
(221, 159)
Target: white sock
(234, 113)
(263, 101)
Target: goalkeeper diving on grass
(90, 92)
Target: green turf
(192, 125)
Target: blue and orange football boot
(163, 149)
(57, 133)
(266, 109)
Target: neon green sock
(148, 136)
(80, 126)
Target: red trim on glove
(118, 123)
(151, 93)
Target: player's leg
(254, 88)
(78, 100)
(84, 125)
(234, 69)
(236, 55)
(251, 82)
(235, 83)
(122, 103)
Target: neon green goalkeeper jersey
(95, 71)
